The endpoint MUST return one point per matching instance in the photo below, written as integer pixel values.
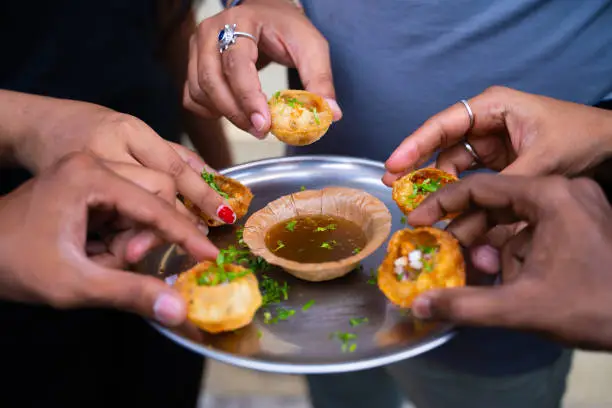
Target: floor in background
(230, 387)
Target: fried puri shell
(299, 118)
(408, 191)
(224, 307)
(239, 199)
(448, 266)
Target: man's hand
(228, 84)
(514, 132)
(556, 272)
(44, 238)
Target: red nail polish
(226, 214)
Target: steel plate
(302, 343)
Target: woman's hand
(42, 130)
(227, 84)
(45, 250)
(514, 132)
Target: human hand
(59, 127)
(43, 240)
(514, 132)
(227, 84)
(555, 272)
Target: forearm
(24, 121)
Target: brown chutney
(315, 239)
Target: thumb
(472, 306)
(132, 292)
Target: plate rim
(301, 368)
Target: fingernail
(333, 105)
(421, 307)
(258, 121)
(168, 310)
(203, 228)
(226, 214)
(486, 259)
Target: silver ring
(228, 35)
(470, 113)
(471, 150)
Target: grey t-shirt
(396, 63)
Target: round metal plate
(303, 344)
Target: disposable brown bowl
(354, 205)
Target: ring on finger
(228, 36)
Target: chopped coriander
(209, 178)
(328, 244)
(284, 314)
(316, 115)
(373, 277)
(239, 237)
(276, 95)
(281, 314)
(259, 334)
(292, 102)
(428, 186)
(358, 321)
(267, 317)
(347, 341)
(280, 244)
(273, 292)
(403, 219)
(427, 265)
(302, 188)
(291, 225)
(326, 228)
(308, 305)
(356, 251)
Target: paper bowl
(354, 205)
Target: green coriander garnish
(259, 334)
(276, 95)
(303, 188)
(239, 237)
(273, 292)
(217, 274)
(291, 225)
(267, 317)
(316, 116)
(281, 314)
(308, 305)
(280, 244)
(346, 339)
(329, 244)
(428, 186)
(326, 228)
(209, 178)
(356, 251)
(403, 220)
(293, 101)
(284, 314)
(358, 321)
(373, 277)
